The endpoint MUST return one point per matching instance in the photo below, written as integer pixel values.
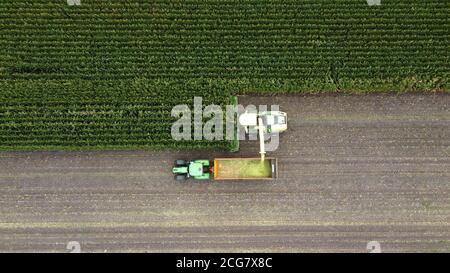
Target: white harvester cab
(270, 121)
(266, 122)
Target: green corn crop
(106, 74)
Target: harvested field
(352, 169)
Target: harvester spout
(262, 150)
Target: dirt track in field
(352, 170)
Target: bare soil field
(352, 169)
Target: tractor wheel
(180, 162)
(180, 177)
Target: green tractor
(197, 169)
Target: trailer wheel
(180, 162)
(180, 177)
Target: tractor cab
(197, 169)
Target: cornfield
(106, 74)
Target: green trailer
(226, 169)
